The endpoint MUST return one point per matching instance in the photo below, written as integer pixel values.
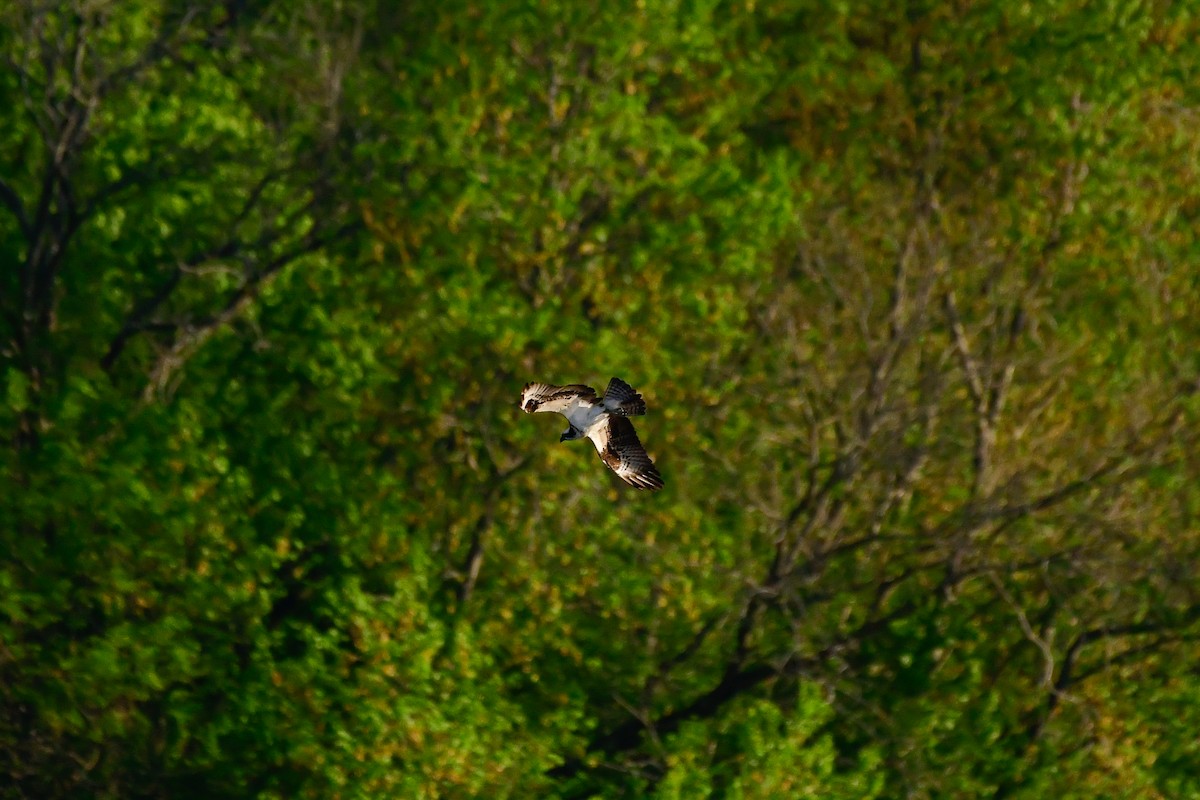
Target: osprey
(604, 420)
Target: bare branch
(1044, 645)
(195, 334)
(963, 348)
(139, 319)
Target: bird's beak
(562, 437)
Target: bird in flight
(604, 420)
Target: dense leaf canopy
(911, 289)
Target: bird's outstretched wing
(620, 449)
(547, 397)
(621, 398)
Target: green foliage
(906, 286)
(762, 750)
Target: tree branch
(195, 334)
(12, 201)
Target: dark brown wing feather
(622, 451)
(621, 398)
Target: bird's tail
(620, 398)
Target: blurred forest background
(911, 290)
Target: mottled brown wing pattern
(548, 397)
(621, 398)
(622, 451)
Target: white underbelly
(583, 416)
